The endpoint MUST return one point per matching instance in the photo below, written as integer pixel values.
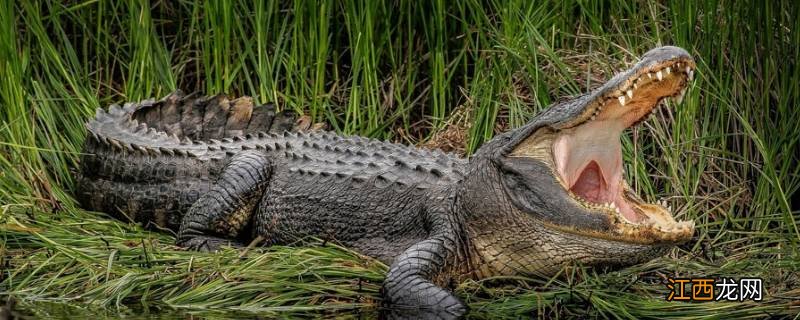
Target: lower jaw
(591, 189)
(635, 222)
(617, 203)
(519, 254)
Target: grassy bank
(403, 71)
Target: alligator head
(557, 186)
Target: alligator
(221, 171)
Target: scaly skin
(434, 217)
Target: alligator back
(149, 161)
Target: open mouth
(587, 153)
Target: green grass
(727, 157)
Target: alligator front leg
(219, 215)
(411, 282)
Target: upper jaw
(655, 65)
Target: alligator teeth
(622, 100)
(650, 75)
(691, 73)
(635, 85)
(630, 94)
(669, 69)
(659, 75)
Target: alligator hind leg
(225, 210)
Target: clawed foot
(397, 314)
(423, 300)
(207, 244)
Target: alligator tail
(148, 162)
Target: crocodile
(221, 171)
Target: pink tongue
(591, 185)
